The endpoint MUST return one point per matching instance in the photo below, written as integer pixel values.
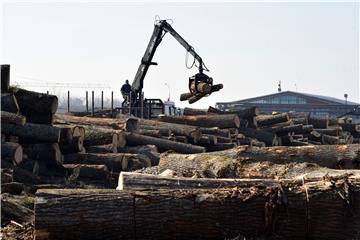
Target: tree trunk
(319, 122)
(134, 139)
(220, 121)
(140, 181)
(116, 162)
(9, 103)
(15, 212)
(93, 172)
(266, 120)
(40, 118)
(327, 139)
(12, 188)
(127, 124)
(154, 132)
(33, 132)
(242, 113)
(270, 139)
(32, 103)
(49, 153)
(216, 131)
(12, 152)
(255, 162)
(24, 176)
(101, 136)
(353, 128)
(8, 117)
(193, 111)
(333, 131)
(5, 77)
(178, 129)
(220, 147)
(109, 148)
(292, 212)
(284, 129)
(150, 151)
(76, 145)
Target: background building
(318, 106)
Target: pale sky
(249, 47)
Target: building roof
(321, 99)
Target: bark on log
(12, 188)
(242, 113)
(284, 129)
(195, 98)
(127, 124)
(101, 136)
(154, 132)
(49, 153)
(5, 77)
(243, 161)
(109, 148)
(251, 142)
(140, 181)
(266, 120)
(85, 215)
(327, 139)
(216, 131)
(150, 151)
(32, 103)
(270, 139)
(40, 118)
(193, 111)
(9, 103)
(185, 96)
(33, 132)
(8, 117)
(116, 162)
(133, 139)
(178, 129)
(333, 131)
(220, 121)
(93, 172)
(15, 212)
(24, 176)
(220, 147)
(353, 128)
(12, 152)
(201, 87)
(76, 145)
(319, 122)
(287, 212)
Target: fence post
(142, 105)
(130, 102)
(102, 100)
(112, 103)
(68, 101)
(92, 103)
(87, 101)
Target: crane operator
(126, 89)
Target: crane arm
(160, 29)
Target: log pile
(206, 174)
(41, 147)
(249, 127)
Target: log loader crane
(200, 84)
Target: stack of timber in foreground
(253, 189)
(245, 192)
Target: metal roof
(325, 99)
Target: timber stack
(219, 175)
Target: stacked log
(202, 213)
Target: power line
(36, 82)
